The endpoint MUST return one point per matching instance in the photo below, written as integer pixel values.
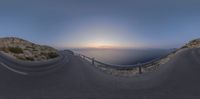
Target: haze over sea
(124, 56)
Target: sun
(101, 45)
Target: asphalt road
(78, 79)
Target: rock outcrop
(25, 50)
(193, 44)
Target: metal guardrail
(123, 67)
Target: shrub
(29, 47)
(21, 58)
(29, 58)
(16, 50)
(35, 50)
(52, 55)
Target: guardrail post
(93, 61)
(140, 69)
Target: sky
(102, 23)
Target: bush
(52, 55)
(29, 58)
(16, 50)
(20, 58)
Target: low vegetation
(29, 58)
(52, 55)
(15, 50)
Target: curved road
(78, 79)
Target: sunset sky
(102, 23)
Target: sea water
(124, 56)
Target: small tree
(52, 55)
(16, 50)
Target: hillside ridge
(25, 50)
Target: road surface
(78, 79)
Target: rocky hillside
(25, 50)
(155, 65)
(193, 44)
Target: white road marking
(14, 70)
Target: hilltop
(26, 50)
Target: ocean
(124, 56)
